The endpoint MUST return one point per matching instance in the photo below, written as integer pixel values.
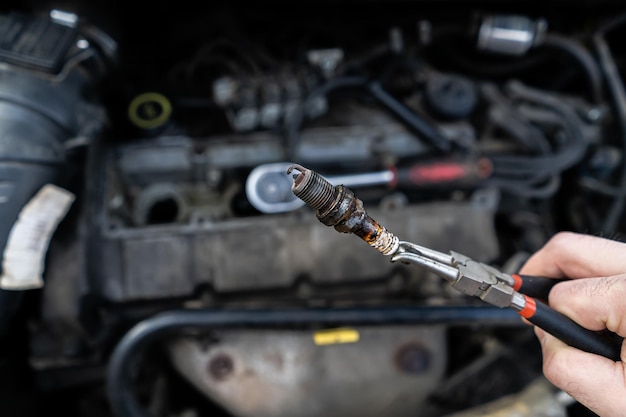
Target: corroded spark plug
(337, 206)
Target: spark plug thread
(312, 188)
(337, 206)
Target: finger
(593, 380)
(575, 255)
(594, 303)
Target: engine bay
(478, 127)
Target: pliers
(337, 206)
(520, 292)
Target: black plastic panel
(34, 42)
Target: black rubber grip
(573, 334)
(537, 287)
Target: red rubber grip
(529, 309)
(517, 282)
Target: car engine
(156, 262)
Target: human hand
(596, 299)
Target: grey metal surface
(388, 372)
(271, 252)
(464, 274)
(509, 34)
(356, 134)
(447, 272)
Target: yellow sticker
(335, 336)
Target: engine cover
(175, 260)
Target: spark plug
(337, 206)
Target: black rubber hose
(36, 117)
(571, 47)
(584, 59)
(599, 187)
(611, 24)
(539, 167)
(618, 95)
(140, 337)
(510, 122)
(525, 189)
(505, 116)
(39, 115)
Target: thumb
(594, 303)
(595, 381)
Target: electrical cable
(531, 60)
(599, 187)
(572, 153)
(618, 95)
(611, 25)
(531, 190)
(537, 176)
(585, 60)
(505, 116)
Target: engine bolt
(221, 366)
(337, 206)
(412, 358)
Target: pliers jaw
(434, 261)
(467, 276)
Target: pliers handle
(520, 292)
(534, 286)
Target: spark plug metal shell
(338, 207)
